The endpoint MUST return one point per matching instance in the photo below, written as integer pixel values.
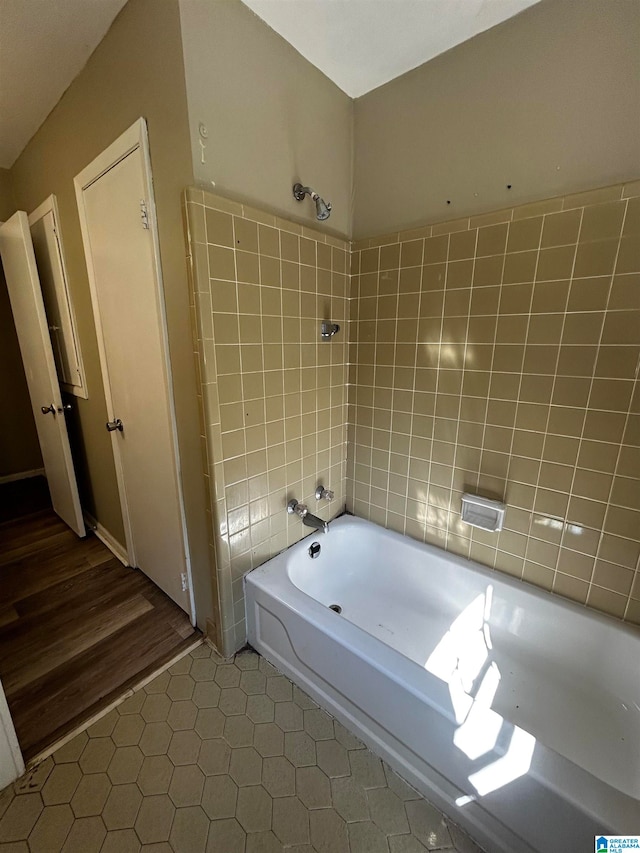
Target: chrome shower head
(323, 208)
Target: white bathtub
(515, 712)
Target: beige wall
(7, 206)
(19, 449)
(499, 355)
(272, 117)
(273, 393)
(548, 101)
(137, 70)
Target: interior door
(42, 380)
(116, 214)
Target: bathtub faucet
(293, 507)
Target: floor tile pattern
(219, 757)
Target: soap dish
(483, 512)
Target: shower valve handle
(323, 494)
(293, 507)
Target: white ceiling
(44, 44)
(361, 44)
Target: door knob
(115, 425)
(46, 409)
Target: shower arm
(299, 192)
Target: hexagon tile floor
(219, 757)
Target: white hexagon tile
(219, 757)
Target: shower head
(323, 208)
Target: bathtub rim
(489, 573)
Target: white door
(29, 315)
(118, 225)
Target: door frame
(11, 760)
(136, 137)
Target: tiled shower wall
(500, 355)
(496, 355)
(273, 393)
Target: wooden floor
(76, 627)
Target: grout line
(621, 443)
(435, 410)
(393, 389)
(558, 545)
(413, 389)
(264, 403)
(205, 445)
(225, 578)
(491, 371)
(461, 394)
(584, 423)
(529, 510)
(375, 367)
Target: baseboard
(22, 475)
(106, 538)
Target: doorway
(77, 627)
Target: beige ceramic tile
(599, 196)
(524, 234)
(538, 208)
(579, 340)
(561, 229)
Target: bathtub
(513, 711)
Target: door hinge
(185, 581)
(144, 213)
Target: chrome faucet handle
(323, 494)
(299, 509)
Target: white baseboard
(22, 475)
(106, 538)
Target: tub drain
(336, 608)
